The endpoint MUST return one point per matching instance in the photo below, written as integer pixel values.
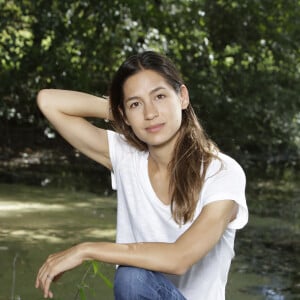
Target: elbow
(42, 99)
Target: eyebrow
(151, 92)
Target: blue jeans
(136, 284)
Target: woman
(180, 200)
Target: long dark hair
(193, 151)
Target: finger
(38, 279)
(44, 271)
(48, 281)
(40, 276)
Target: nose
(150, 111)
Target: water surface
(37, 221)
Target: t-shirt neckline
(150, 190)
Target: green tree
(240, 60)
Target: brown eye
(160, 96)
(134, 104)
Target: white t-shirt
(142, 217)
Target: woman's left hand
(55, 265)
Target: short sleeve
(118, 148)
(226, 180)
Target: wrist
(84, 251)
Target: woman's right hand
(55, 265)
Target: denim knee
(129, 282)
(135, 284)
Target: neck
(160, 156)
(159, 159)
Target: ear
(123, 115)
(184, 97)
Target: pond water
(37, 221)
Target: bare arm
(66, 111)
(189, 248)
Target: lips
(154, 128)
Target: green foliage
(240, 60)
(96, 269)
(258, 63)
(83, 286)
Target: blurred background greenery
(240, 61)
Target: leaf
(95, 265)
(105, 279)
(96, 269)
(82, 294)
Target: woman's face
(152, 108)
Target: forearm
(173, 258)
(73, 103)
(161, 257)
